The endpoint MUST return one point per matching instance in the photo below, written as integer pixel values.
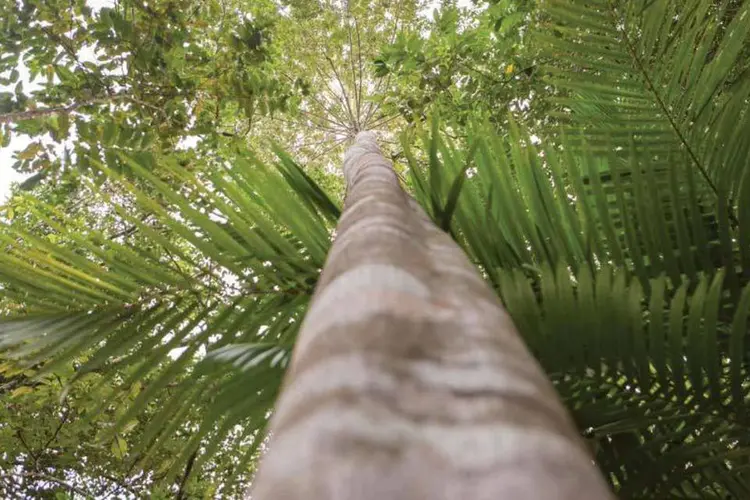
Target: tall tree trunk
(409, 379)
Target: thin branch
(64, 43)
(384, 120)
(322, 105)
(129, 230)
(395, 24)
(310, 144)
(355, 92)
(359, 57)
(335, 129)
(343, 90)
(45, 477)
(335, 145)
(26, 446)
(379, 85)
(315, 125)
(493, 78)
(369, 114)
(120, 483)
(354, 69)
(42, 112)
(333, 124)
(63, 419)
(188, 468)
(332, 92)
(38, 113)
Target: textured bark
(409, 380)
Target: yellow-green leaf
(135, 389)
(119, 447)
(21, 391)
(129, 426)
(30, 151)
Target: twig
(335, 145)
(26, 446)
(53, 479)
(130, 230)
(64, 42)
(354, 70)
(37, 113)
(63, 419)
(384, 120)
(189, 467)
(340, 99)
(343, 90)
(42, 112)
(120, 483)
(359, 58)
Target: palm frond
(615, 275)
(210, 309)
(526, 205)
(667, 73)
(667, 78)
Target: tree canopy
(182, 189)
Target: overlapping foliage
(198, 54)
(325, 51)
(53, 448)
(466, 62)
(652, 363)
(134, 74)
(230, 270)
(619, 243)
(617, 239)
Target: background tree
(153, 80)
(466, 62)
(52, 447)
(137, 76)
(326, 51)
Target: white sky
(18, 143)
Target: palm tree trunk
(409, 379)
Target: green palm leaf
(209, 309)
(602, 263)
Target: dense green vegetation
(590, 157)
